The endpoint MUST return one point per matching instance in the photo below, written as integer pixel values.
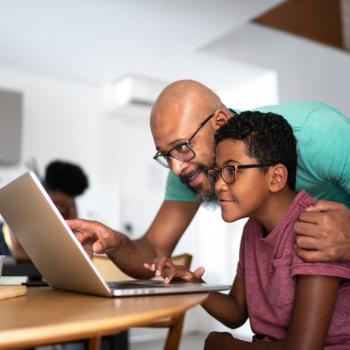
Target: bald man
(183, 121)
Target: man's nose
(177, 166)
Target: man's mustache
(200, 169)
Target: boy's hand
(164, 267)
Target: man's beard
(206, 197)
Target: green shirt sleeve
(178, 191)
(324, 152)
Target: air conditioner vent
(132, 90)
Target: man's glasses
(229, 173)
(182, 151)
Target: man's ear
(278, 175)
(221, 117)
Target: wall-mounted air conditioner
(131, 92)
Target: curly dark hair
(268, 138)
(65, 177)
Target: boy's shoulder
(304, 200)
(301, 201)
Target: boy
(291, 304)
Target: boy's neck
(275, 208)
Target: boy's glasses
(228, 173)
(182, 151)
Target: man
(184, 119)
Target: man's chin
(205, 197)
(208, 199)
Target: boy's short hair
(268, 138)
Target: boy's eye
(231, 170)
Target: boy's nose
(219, 185)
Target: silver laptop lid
(47, 239)
(56, 252)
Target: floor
(193, 341)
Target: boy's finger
(199, 272)
(159, 265)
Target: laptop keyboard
(137, 284)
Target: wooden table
(47, 316)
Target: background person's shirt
(4, 249)
(268, 265)
(323, 147)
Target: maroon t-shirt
(268, 265)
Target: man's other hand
(323, 232)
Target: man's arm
(160, 239)
(323, 232)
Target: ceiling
(97, 41)
(325, 21)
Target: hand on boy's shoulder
(323, 232)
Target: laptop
(57, 253)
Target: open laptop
(57, 253)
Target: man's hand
(323, 232)
(218, 340)
(164, 267)
(95, 237)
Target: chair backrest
(182, 259)
(109, 271)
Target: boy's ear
(221, 117)
(278, 177)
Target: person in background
(183, 121)
(63, 181)
(291, 304)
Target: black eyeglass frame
(235, 167)
(168, 154)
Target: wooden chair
(174, 323)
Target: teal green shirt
(323, 146)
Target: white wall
(305, 69)
(65, 120)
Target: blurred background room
(78, 79)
